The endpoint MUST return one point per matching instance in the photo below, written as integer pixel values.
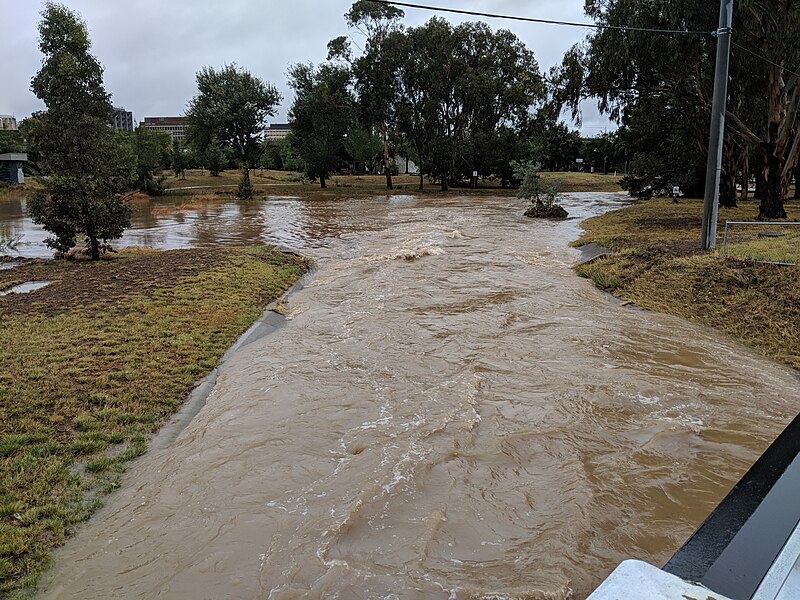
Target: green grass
(657, 265)
(92, 365)
(584, 182)
(784, 249)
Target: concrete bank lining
(269, 322)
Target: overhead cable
(471, 13)
(764, 58)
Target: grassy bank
(285, 183)
(657, 265)
(93, 364)
(282, 183)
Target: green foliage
(179, 159)
(462, 94)
(232, 105)
(554, 146)
(374, 80)
(659, 88)
(244, 191)
(320, 116)
(89, 164)
(11, 141)
(532, 187)
(150, 148)
(215, 157)
(364, 147)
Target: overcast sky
(151, 49)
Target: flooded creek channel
(449, 413)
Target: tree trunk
(727, 184)
(761, 184)
(421, 179)
(322, 183)
(387, 163)
(775, 190)
(745, 173)
(94, 248)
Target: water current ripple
(451, 413)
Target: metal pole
(708, 239)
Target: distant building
(123, 119)
(8, 123)
(277, 132)
(175, 126)
(11, 168)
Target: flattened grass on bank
(93, 364)
(657, 264)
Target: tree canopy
(232, 106)
(88, 163)
(659, 88)
(462, 95)
(320, 116)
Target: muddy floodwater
(449, 413)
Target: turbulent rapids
(449, 413)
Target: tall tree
(663, 83)
(374, 81)
(320, 116)
(232, 105)
(88, 163)
(461, 94)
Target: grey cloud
(151, 49)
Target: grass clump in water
(657, 264)
(93, 364)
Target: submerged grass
(93, 364)
(657, 265)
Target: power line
(765, 59)
(544, 21)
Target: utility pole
(708, 238)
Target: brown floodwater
(449, 413)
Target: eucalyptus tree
(372, 70)
(656, 86)
(232, 107)
(660, 86)
(89, 164)
(462, 94)
(320, 116)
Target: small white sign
(474, 173)
(579, 161)
(676, 191)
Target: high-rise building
(8, 123)
(123, 119)
(175, 126)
